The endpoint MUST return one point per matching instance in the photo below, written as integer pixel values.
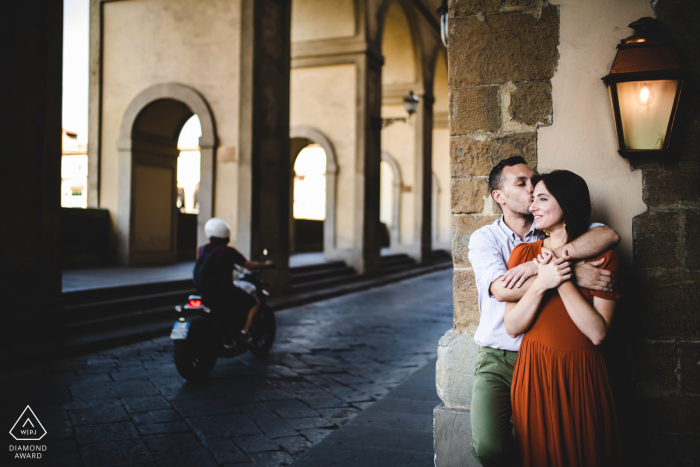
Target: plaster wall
(147, 42)
(324, 98)
(399, 140)
(582, 136)
(321, 19)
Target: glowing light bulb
(645, 95)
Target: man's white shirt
(489, 251)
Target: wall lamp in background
(644, 84)
(410, 103)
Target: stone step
(109, 332)
(320, 274)
(96, 311)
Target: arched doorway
(147, 224)
(188, 178)
(318, 148)
(390, 198)
(309, 199)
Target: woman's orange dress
(563, 408)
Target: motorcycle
(200, 339)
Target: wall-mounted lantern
(410, 103)
(644, 84)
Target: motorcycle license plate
(180, 330)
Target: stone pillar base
(453, 433)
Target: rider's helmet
(218, 228)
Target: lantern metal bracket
(388, 121)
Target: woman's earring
(546, 232)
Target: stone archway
(306, 135)
(395, 229)
(147, 145)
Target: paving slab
(90, 434)
(115, 453)
(221, 426)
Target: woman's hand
(519, 274)
(551, 271)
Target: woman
(563, 408)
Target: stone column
(366, 253)
(501, 57)
(423, 182)
(30, 174)
(662, 313)
(263, 167)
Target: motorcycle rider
(216, 261)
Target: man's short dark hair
(496, 175)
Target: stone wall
(665, 328)
(501, 58)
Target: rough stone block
(670, 302)
(463, 227)
(656, 237)
(674, 414)
(454, 370)
(686, 138)
(453, 434)
(531, 104)
(691, 234)
(468, 195)
(671, 188)
(469, 156)
(657, 364)
(472, 7)
(466, 306)
(502, 47)
(522, 3)
(690, 367)
(474, 109)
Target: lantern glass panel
(645, 111)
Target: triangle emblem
(28, 427)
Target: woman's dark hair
(571, 192)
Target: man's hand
(552, 271)
(591, 276)
(519, 274)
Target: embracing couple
(546, 283)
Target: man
(493, 442)
(216, 279)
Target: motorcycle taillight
(195, 303)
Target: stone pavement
(331, 361)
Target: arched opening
(166, 127)
(309, 199)
(188, 178)
(390, 200)
(313, 175)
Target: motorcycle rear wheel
(263, 332)
(192, 365)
